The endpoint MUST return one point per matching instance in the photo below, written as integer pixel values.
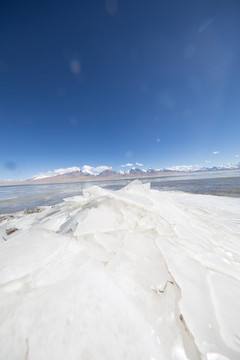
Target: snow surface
(129, 274)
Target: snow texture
(129, 274)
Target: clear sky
(111, 82)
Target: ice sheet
(129, 274)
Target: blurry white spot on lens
(75, 66)
(158, 140)
(189, 51)
(205, 24)
(73, 121)
(128, 154)
(111, 6)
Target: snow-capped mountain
(74, 171)
(137, 171)
(56, 172)
(87, 171)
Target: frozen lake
(20, 197)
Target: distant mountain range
(134, 171)
(90, 173)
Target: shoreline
(61, 179)
(16, 198)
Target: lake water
(20, 197)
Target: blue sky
(111, 82)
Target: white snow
(55, 172)
(129, 274)
(185, 168)
(87, 169)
